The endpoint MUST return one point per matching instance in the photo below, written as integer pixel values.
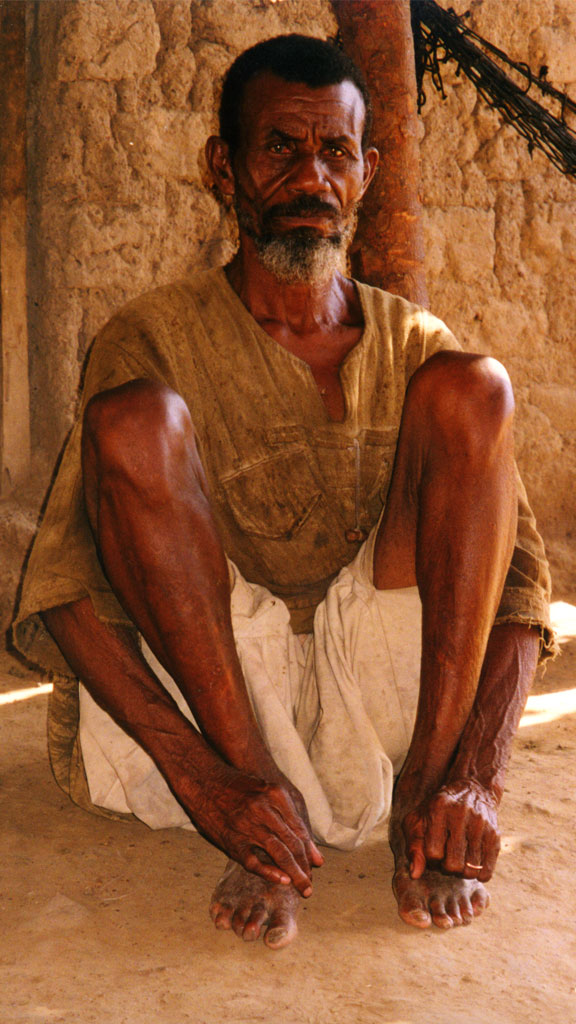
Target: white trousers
(336, 707)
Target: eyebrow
(277, 133)
(338, 140)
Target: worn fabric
(287, 484)
(335, 708)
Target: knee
(463, 395)
(136, 429)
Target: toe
(282, 929)
(221, 915)
(480, 900)
(239, 918)
(415, 913)
(418, 918)
(466, 910)
(453, 910)
(440, 916)
(253, 923)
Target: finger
(292, 809)
(268, 871)
(474, 859)
(436, 832)
(283, 857)
(490, 851)
(456, 846)
(315, 858)
(416, 859)
(286, 848)
(413, 829)
(464, 844)
(273, 840)
(300, 824)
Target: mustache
(301, 207)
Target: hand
(261, 825)
(457, 829)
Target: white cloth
(336, 707)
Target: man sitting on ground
(289, 496)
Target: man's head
(293, 154)
(293, 58)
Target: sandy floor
(107, 923)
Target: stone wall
(122, 97)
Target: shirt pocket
(274, 497)
(356, 472)
(378, 454)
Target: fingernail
(307, 892)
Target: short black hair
(295, 58)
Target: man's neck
(301, 308)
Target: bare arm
(457, 826)
(253, 820)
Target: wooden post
(15, 402)
(389, 247)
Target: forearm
(507, 674)
(107, 660)
(239, 811)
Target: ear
(371, 161)
(218, 160)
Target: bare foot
(445, 900)
(251, 906)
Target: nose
(308, 175)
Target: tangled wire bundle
(440, 36)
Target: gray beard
(301, 256)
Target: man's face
(300, 172)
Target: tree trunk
(389, 249)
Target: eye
(335, 151)
(280, 148)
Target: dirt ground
(106, 923)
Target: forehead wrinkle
(297, 129)
(294, 106)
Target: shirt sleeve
(63, 564)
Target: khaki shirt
(289, 487)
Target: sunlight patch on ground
(547, 707)
(33, 691)
(511, 843)
(563, 616)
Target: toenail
(419, 915)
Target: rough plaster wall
(123, 96)
(125, 100)
(500, 232)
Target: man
(233, 452)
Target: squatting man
(287, 553)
